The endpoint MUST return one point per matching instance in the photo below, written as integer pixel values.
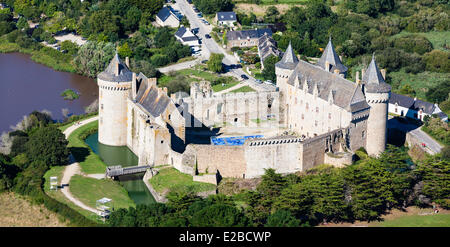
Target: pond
(137, 190)
(26, 86)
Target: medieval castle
(314, 116)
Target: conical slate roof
(373, 79)
(124, 74)
(289, 59)
(330, 55)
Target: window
(363, 134)
(315, 123)
(101, 106)
(303, 116)
(395, 110)
(307, 106)
(317, 109)
(329, 115)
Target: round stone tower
(377, 93)
(114, 85)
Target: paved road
(210, 46)
(432, 146)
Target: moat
(137, 190)
(26, 86)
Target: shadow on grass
(79, 153)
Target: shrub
(437, 61)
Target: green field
(173, 180)
(89, 190)
(219, 87)
(438, 39)
(419, 82)
(90, 162)
(435, 220)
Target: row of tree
(363, 191)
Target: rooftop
(226, 16)
(116, 71)
(248, 34)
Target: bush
(437, 61)
(6, 27)
(413, 43)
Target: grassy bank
(89, 190)
(45, 55)
(169, 179)
(419, 82)
(73, 119)
(90, 162)
(437, 39)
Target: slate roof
(164, 13)
(245, 34)
(346, 94)
(191, 38)
(153, 101)
(416, 104)
(373, 79)
(330, 55)
(289, 60)
(226, 16)
(267, 46)
(125, 75)
(180, 32)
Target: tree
(48, 146)
(282, 218)
(93, 57)
(218, 215)
(69, 47)
(22, 23)
(437, 61)
(434, 173)
(269, 68)
(125, 51)
(272, 14)
(215, 62)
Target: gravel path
(74, 168)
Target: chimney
(340, 58)
(133, 87)
(336, 71)
(127, 62)
(383, 73)
(165, 89)
(358, 81)
(151, 82)
(362, 73)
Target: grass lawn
(438, 39)
(90, 162)
(219, 87)
(89, 190)
(171, 179)
(243, 89)
(419, 82)
(59, 196)
(435, 220)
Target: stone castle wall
(240, 109)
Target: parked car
(244, 77)
(205, 21)
(207, 36)
(268, 82)
(205, 61)
(258, 81)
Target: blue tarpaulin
(232, 141)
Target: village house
(186, 37)
(246, 38)
(267, 46)
(226, 18)
(413, 108)
(166, 17)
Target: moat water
(26, 86)
(137, 190)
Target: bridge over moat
(115, 171)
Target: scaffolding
(53, 183)
(104, 206)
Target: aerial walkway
(115, 171)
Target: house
(226, 18)
(413, 108)
(186, 37)
(246, 38)
(166, 17)
(267, 46)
